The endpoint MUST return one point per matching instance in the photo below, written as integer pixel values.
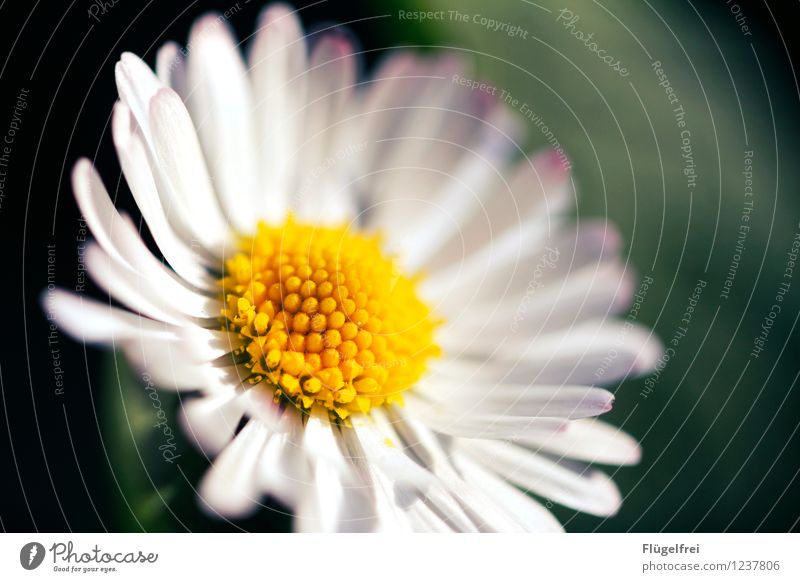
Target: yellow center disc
(327, 317)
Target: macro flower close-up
(346, 272)
(379, 310)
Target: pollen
(327, 318)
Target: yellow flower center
(327, 318)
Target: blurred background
(684, 135)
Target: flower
(387, 316)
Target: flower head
(388, 320)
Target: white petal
(491, 270)
(229, 488)
(145, 266)
(518, 399)
(128, 287)
(323, 196)
(481, 426)
(338, 501)
(278, 62)
(220, 101)
(383, 450)
(171, 355)
(446, 508)
(432, 151)
(99, 212)
(133, 157)
(539, 250)
(210, 421)
(171, 68)
(481, 511)
(391, 517)
(120, 239)
(581, 488)
(589, 440)
(521, 507)
(167, 365)
(179, 159)
(389, 514)
(137, 85)
(477, 172)
(593, 291)
(594, 352)
(173, 364)
(285, 467)
(432, 109)
(424, 520)
(538, 186)
(399, 78)
(95, 322)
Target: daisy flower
(381, 311)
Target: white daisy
(296, 210)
